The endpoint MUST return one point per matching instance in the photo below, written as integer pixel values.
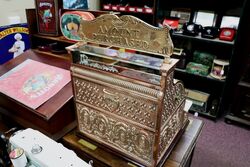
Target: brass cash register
(125, 96)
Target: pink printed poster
(33, 83)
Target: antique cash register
(125, 96)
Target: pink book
(33, 83)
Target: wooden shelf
(205, 114)
(59, 38)
(208, 77)
(237, 120)
(62, 56)
(128, 9)
(199, 38)
(244, 84)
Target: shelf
(244, 84)
(62, 56)
(213, 117)
(204, 77)
(237, 120)
(199, 38)
(59, 38)
(129, 9)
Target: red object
(173, 23)
(139, 10)
(148, 10)
(122, 8)
(114, 7)
(131, 9)
(227, 34)
(106, 7)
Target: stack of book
(199, 99)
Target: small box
(203, 58)
(198, 69)
(172, 22)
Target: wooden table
(181, 156)
(61, 104)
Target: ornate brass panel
(114, 80)
(173, 126)
(129, 106)
(129, 32)
(116, 133)
(174, 97)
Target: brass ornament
(132, 140)
(129, 32)
(174, 97)
(133, 108)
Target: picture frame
(47, 17)
(230, 22)
(76, 4)
(183, 14)
(205, 18)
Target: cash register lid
(127, 32)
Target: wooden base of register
(181, 155)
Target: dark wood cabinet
(239, 76)
(240, 110)
(220, 91)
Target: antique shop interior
(124, 83)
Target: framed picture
(205, 18)
(75, 4)
(230, 22)
(182, 14)
(14, 40)
(47, 17)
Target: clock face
(227, 33)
